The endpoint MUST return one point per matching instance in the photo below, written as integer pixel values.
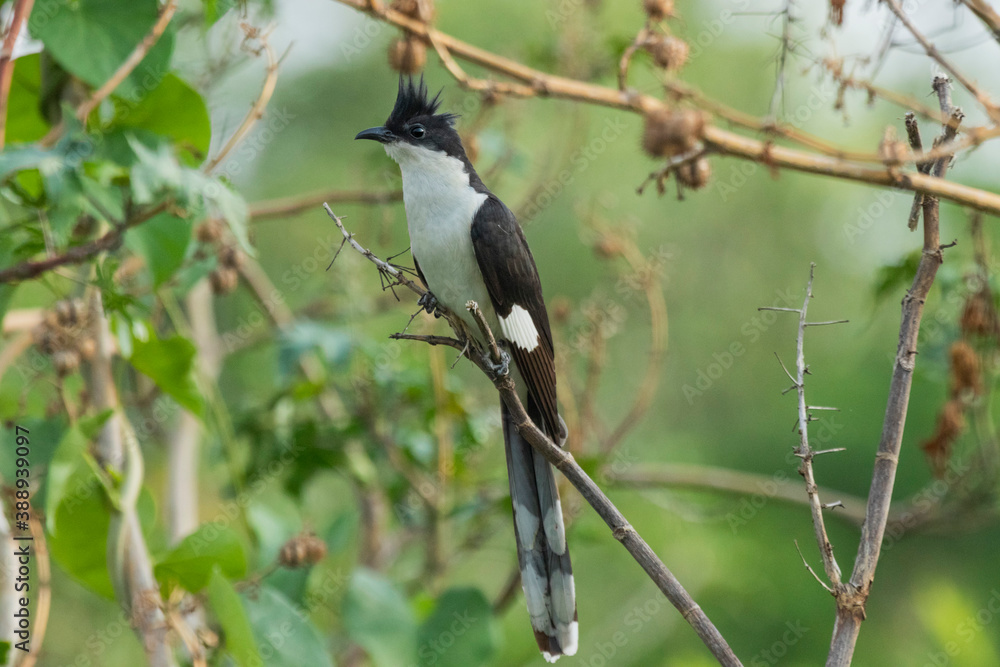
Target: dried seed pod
(67, 313)
(230, 257)
(979, 317)
(209, 231)
(608, 246)
(65, 361)
(223, 280)
(672, 131)
(694, 173)
(87, 348)
(302, 551)
(407, 55)
(45, 338)
(951, 423)
(418, 9)
(965, 373)
(670, 53)
(561, 308)
(658, 10)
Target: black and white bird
(467, 245)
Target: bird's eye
(417, 131)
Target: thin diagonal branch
(565, 463)
(932, 51)
(717, 139)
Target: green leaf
(67, 460)
(173, 109)
(163, 240)
(236, 630)
(25, 123)
(895, 277)
(92, 38)
(460, 632)
(284, 633)
(170, 364)
(79, 536)
(378, 618)
(157, 171)
(192, 562)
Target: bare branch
(932, 51)
(22, 9)
(257, 109)
(716, 139)
(566, 464)
(852, 595)
(81, 253)
(289, 206)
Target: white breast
(440, 205)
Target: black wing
(512, 280)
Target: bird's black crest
(412, 100)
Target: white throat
(440, 205)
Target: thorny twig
(804, 451)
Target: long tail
(546, 572)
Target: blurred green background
(744, 241)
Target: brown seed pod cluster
(407, 55)
(670, 132)
(302, 551)
(966, 374)
(694, 173)
(669, 52)
(65, 336)
(657, 10)
(979, 315)
(225, 276)
(951, 423)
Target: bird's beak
(380, 134)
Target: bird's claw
(503, 368)
(429, 303)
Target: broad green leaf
(79, 536)
(460, 632)
(163, 240)
(170, 364)
(173, 109)
(25, 123)
(237, 634)
(895, 278)
(92, 38)
(285, 636)
(378, 618)
(274, 519)
(68, 459)
(192, 562)
(157, 171)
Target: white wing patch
(519, 328)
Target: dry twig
(852, 595)
(565, 463)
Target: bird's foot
(429, 303)
(501, 369)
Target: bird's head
(414, 126)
